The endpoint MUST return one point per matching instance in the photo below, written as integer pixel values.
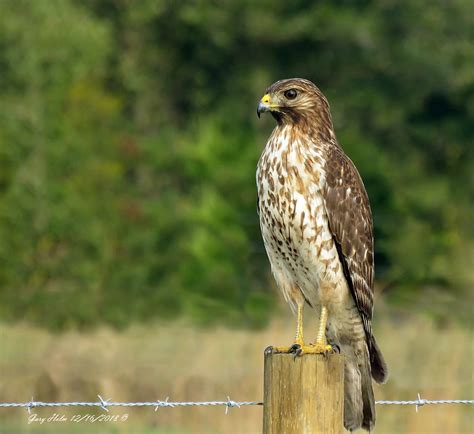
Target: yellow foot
(299, 343)
(299, 349)
(321, 348)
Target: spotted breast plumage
(316, 225)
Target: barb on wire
(422, 403)
(230, 404)
(164, 403)
(104, 404)
(31, 404)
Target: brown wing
(350, 221)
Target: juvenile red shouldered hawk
(317, 229)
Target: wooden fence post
(303, 395)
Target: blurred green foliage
(128, 146)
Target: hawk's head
(293, 100)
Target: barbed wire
(104, 404)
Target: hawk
(317, 229)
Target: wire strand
(229, 403)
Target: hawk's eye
(290, 94)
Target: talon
(298, 350)
(321, 348)
(295, 348)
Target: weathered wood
(303, 395)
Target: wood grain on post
(303, 395)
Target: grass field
(153, 362)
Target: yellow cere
(265, 99)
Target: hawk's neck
(302, 135)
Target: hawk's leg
(299, 341)
(321, 345)
(299, 326)
(299, 347)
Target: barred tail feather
(359, 402)
(368, 399)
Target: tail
(359, 402)
(360, 367)
(377, 363)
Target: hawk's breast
(293, 218)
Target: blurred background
(132, 262)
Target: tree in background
(128, 146)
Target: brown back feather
(350, 221)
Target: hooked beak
(264, 105)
